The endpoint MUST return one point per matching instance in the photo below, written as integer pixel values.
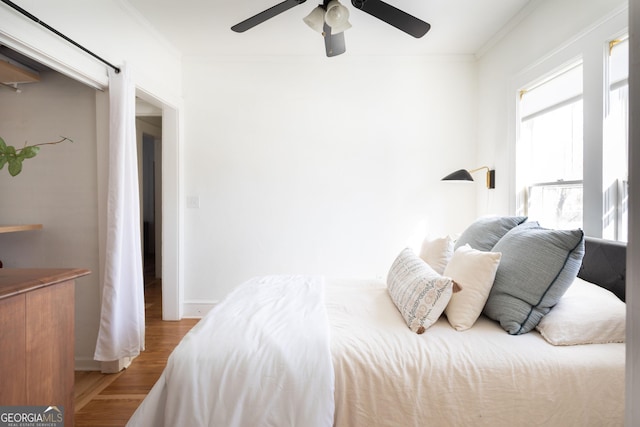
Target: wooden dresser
(37, 337)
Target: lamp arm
(480, 168)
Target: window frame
(616, 210)
(590, 47)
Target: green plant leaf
(15, 166)
(14, 157)
(29, 152)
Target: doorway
(168, 227)
(159, 120)
(149, 141)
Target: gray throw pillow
(537, 266)
(485, 232)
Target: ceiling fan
(331, 19)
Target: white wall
(320, 166)
(57, 188)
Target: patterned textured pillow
(437, 252)
(537, 266)
(419, 292)
(485, 232)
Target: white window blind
(561, 89)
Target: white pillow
(417, 290)
(474, 271)
(437, 252)
(586, 314)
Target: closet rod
(58, 33)
(13, 88)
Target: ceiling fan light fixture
(337, 17)
(315, 20)
(331, 19)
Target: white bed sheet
(387, 375)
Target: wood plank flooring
(109, 400)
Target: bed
(314, 351)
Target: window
(615, 142)
(549, 150)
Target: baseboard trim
(197, 309)
(84, 364)
(115, 366)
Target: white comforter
(260, 358)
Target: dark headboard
(604, 264)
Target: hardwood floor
(109, 400)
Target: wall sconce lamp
(465, 175)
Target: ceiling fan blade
(333, 43)
(265, 15)
(393, 16)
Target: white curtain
(122, 323)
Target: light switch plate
(193, 202)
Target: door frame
(171, 210)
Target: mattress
(385, 375)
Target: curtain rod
(58, 33)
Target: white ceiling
(458, 27)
